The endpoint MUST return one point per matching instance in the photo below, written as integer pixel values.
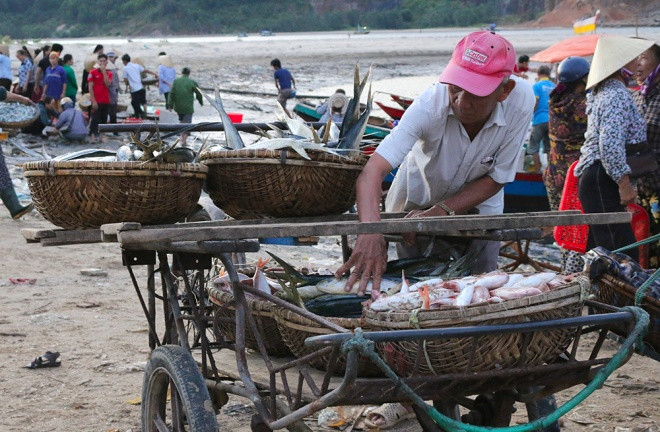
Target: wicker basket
(460, 355)
(85, 194)
(252, 184)
(616, 292)
(295, 329)
(263, 316)
(24, 123)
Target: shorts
(283, 96)
(185, 118)
(539, 133)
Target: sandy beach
(96, 322)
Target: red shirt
(101, 94)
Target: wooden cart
(191, 361)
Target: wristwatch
(446, 208)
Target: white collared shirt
(133, 73)
(437, 158)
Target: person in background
(567, 123)
(613, 123)
(100, 79)
(71, 82)
(542, 89)
(114, 88)
(647, 100)
(71, 123)
(182, 97)
(522, 67)
(133, 76)
(25, 73)
(339, 99)
(40, 72)
(6, 76)
(284, 82)
(55, 79)
(166, 74)
(7, 192)
(47, 115)
(84, 86)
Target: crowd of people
(46, 77)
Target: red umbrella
(583, 45)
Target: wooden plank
(433, 225)
(32, 235)
(67, 237)
(206, 247)
(225, 360)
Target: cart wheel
(172, 371)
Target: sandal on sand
(47, 360)
(390, 413)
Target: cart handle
(471, 331)
(366, 347)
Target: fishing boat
(526, 193)
(405, 102)
(361, 30)
(377, 128)
(395, 113)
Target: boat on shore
(377, 127)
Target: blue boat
(526, 193)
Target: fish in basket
(489, 299)
(294, 174)
(84, 193)
(17, 115)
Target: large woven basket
(252, 184)
(460, 355)
(616, 292)
(86, 194)
(262, 312)
(295, 329)
(24, 123)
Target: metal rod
(193, 127)
(456, 332)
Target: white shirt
(133, 73)
(438, 158)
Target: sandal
(47, 360)
(390, 413)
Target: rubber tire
(175, 362)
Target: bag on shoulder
(641, 159)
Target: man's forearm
(473, 194)
(369, 188)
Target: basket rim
(23, 123)
(299, 322)
(628, 289)
(128, 168)
(573, 292)
(221, 297)
(282, 157)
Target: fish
(494, 279)
(458, 285)
(464, 298)
(233, 138)
(535, 280)
(16, 112)
(409, 301)
(514, 293)
(259, 280)
(336, 286)
(125, 153)
(513, 279)
(299, 146)
(354, 124)
(481, 294)
(431, 283)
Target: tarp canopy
(583, 45)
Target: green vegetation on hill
(75, 18)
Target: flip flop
(391, 413)
(47, 360)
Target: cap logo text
(474, 57)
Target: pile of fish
(15, 112)
(493, 287)
(302, 138)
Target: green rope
(641, 291)
(639, 243)
(367, 348)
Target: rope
(367, 348)
(639, 243)
(641, 291)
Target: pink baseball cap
(479, 63)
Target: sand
(96, 322)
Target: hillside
(612, 13)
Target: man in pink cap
(456, 147)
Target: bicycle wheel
(171, 369)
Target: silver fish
(336, 286)
(15, 112)
(233, 138)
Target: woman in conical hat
(613, 123)
(166, 74)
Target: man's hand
(410, 238)
(368, 260)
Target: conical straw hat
(613, 53)
(4, 49)
(90, 61)
(166, 61)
